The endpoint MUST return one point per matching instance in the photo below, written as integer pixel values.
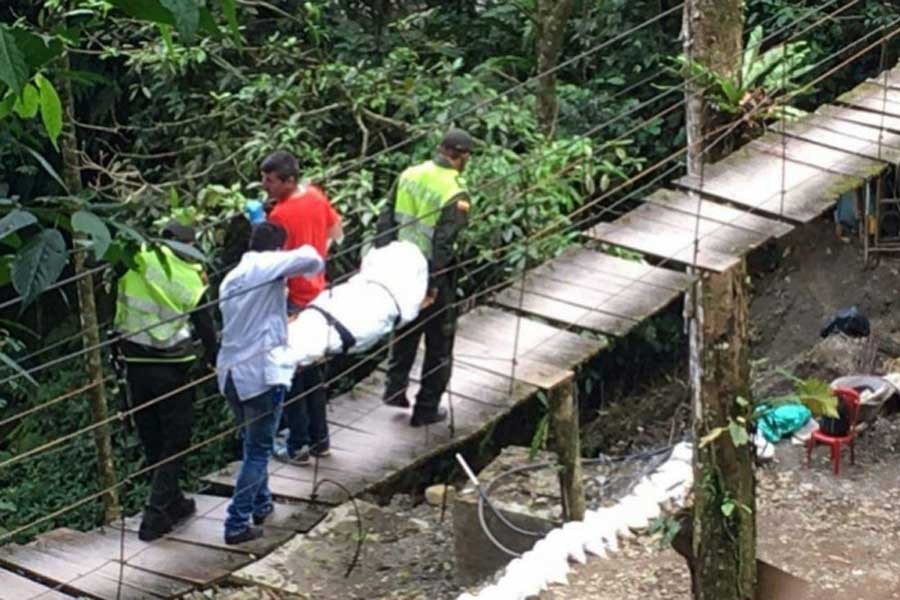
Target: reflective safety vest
(148, 295)
(422, 193)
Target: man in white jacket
(253, 301)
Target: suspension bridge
(525, 338)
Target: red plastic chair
(850, 398)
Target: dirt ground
(817, 275)
(840, 533)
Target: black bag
(848, 321)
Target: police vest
(422, 193)
(150, 294)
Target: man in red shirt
(308, 217)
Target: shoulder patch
(463, 205)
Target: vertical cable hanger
(872, 250)
(784, 68)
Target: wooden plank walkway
(873, 97)
(534, 335)
(662, 227)
(193, 555)
(595, 291)
(827, 153)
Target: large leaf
(9, 362)
(43, 162)
(129, 232)
(37, 50)
(28, 102)
(13, 69)
(51, 109)
(91, 225)
(7, 104)
(38, 264)
(750, 54)
(187, 17)
(14, 221)
(229, 7)
(145, 10)
(818, 397)
(181, 15)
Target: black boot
(154, 524)
(181, 509)
(427, 417)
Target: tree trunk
(724, 514)
(88, 310)
(552, 16)
(712, 32)
(564, 418)
(724, 541)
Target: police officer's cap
(457, 140)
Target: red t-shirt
(307, 216)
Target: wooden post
(564, 420)
(68, 142)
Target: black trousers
(438, 324)
(164, 426)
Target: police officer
(158, 360)
(429, 208)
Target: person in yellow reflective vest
(429, 205)
(156, 312)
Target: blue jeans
(258, 417)
(306, 416)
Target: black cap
(457, 140)
(178, 232)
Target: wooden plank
(529, 368)
(841, 134)
(803, 200)
(873, 97)
(290, 486)
(16, 587)
(713, 236)
(620, 304)
(713, 211)
(755, 180)
(630, 270)
(666, 245)
(486, 324)
(203, 531)
(889, 77)
(479, 386)
(176, 560)
(822, 157)
(620, 287)
(83, 572)
(569, 314)
(863, 117)
(294, 517)
(765, 184)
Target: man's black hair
(267, 236)
(282, 163)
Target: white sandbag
(387, 292)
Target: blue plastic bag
(776, 423)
